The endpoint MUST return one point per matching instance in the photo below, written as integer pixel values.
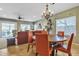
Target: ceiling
(31, 11)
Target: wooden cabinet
(10, 41)
(22, 37)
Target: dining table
(56, 40)
(53, 40)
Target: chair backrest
(70, 42)
(37, 31)
(61, 33)
(40, 31)
(44, 32)
(42, 44)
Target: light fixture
(19, 17)
(46, 15)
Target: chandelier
(47, 13)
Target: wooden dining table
(57, 40)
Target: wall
(43, 22)
(3, 43)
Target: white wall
(3, 43)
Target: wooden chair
(42, 45)
(60, 33)
(44, 32)
(31, 40)
(37, 31)
(66, 48)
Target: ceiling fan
(20, 17)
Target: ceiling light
(47, 14)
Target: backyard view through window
(7, 29)
(25, 27)
(68, 25)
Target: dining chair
(42, 45)
(60, 33)
(66, 48)
(30, 40)
(44, 32)
(37, 31)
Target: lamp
(46, 15)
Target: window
(68, 25)
(25, 27)
(7, 29)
